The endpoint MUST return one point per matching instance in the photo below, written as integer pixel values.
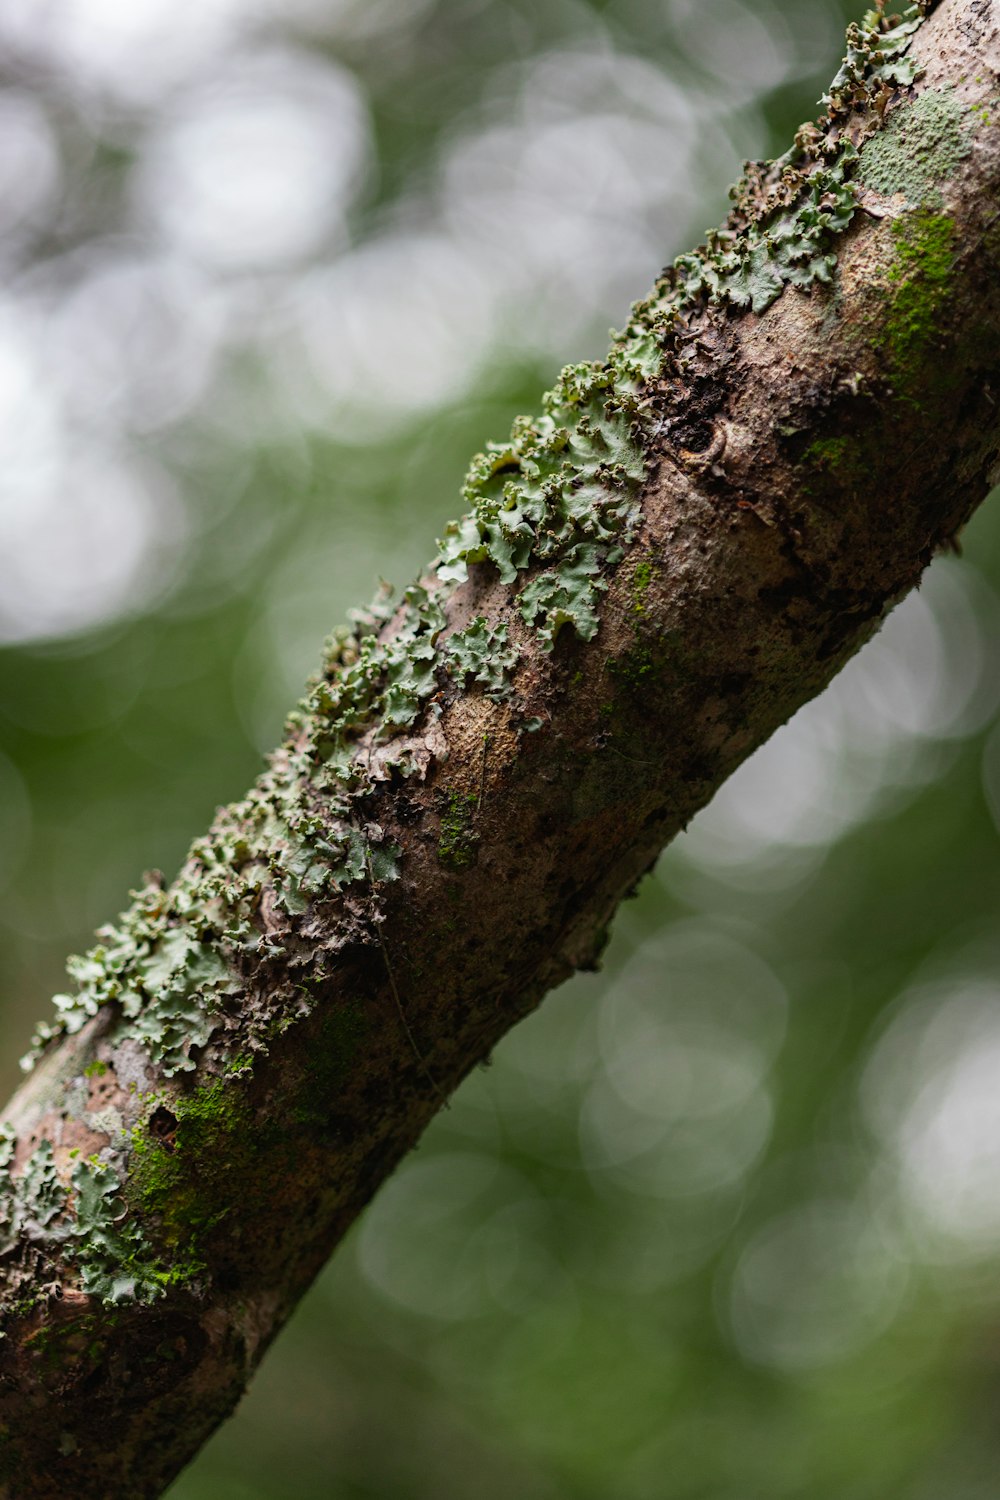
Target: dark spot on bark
(407, 810)
(845, 626)
(163, 1127)
(779, 596)
(694, 436)
(734, 684)
(227, 1278)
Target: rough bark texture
(800, 466)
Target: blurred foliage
(723, 1221)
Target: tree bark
(792, 425)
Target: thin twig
(632, 760)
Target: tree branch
(653, 576)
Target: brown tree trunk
(696, 537)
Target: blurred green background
(724, 1221)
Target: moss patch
(839, 458)
(458, 839)
(185, 1159)
(341, 1034)
(920, 273)
(551, 511)
(827, 453)
(635, 666)
(642, 577)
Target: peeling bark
(800, 471)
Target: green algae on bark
(550, 512)
(924, 246)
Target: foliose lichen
(875, 58)
(166, 979)
(482, 653)
(552, 510)
(793, 245)
(88, 1222)
(561, 495)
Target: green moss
(922, 145)
(551, 510)
(920, 274)
(636, 666)
(457, 839)
(59, 1346)
(828, 453)
(840, 458)
(642, 577)
(185, 1158)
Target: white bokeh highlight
(679, 1104)
(30, 167)
(258, 168)
(814, 1286)
(931, 1096)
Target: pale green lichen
(107, 1244)
(562, 491)
(89, 1222)
(484, 655)
(551, 510)
(165, 978)
(792, 246)
(921, 146)
(875, 57)
(30, 1202)
(565, 596)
